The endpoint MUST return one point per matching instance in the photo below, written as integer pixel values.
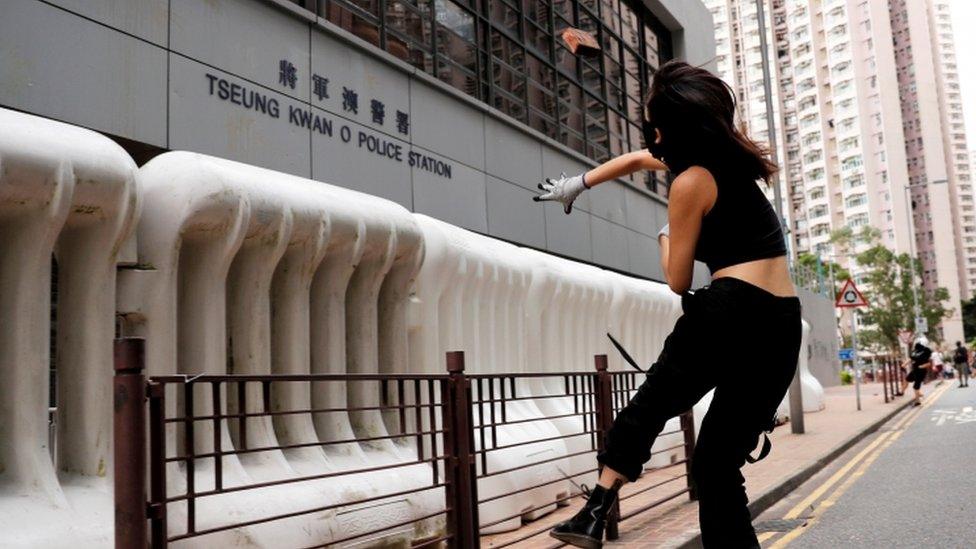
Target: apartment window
(851, 162)
(856, 200)
(853, 181)
(858, 220)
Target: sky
(963, 13)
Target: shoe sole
(586, 542)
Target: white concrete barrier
(811, 389)
(69, 193)
(230, 243)
(238, 269)
(471, 294)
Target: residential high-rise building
(935, 140)
(852, 153)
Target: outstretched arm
(622, 166)
(566, 189)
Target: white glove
(564, 190)
(665, 231)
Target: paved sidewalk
(793, 459)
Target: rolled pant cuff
(621, 465)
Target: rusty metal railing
(450, 423)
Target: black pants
(963, 369)
(742, 341)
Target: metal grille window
(509, 54)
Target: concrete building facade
(456, 109)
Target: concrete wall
(822, 345)
(174, 75)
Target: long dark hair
(694, 110)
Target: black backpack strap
(623, 352)
(767, 444)
(766, 447)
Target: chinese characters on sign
(288, 77)
(350, 100)
(320, 123)
(376, 108)
(320, 87)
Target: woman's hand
(564, 190)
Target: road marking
(941, 416)
(816, 494)
(875, 449)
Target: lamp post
(911, 244)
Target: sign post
(849, 297)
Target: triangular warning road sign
(849, 296)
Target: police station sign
(333, 126)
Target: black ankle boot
(585, 529)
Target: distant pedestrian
(960, 357)
(938, 365)
(920, 360)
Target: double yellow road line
(814, 504)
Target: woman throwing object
(716, 214)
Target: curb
(768, 498)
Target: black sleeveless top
(741, 226)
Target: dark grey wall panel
(354, 71)
(512, 155)
(607, 201)
(357, 167)
(202, 122)
(609, 244)
(513, 215)
(644, 254)
(59, 65)
(459, 200)
(248, 38)
(147, 19)
(822, 343)
(642, 213)
(568, 234)
(441, 123)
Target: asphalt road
(912, 484)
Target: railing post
(157, 466)
(129, 424)
(604, 419)
(461, 470)
(688, 429)
(884, 379)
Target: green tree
(825, 268)
(890, 298)
(969, 317)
